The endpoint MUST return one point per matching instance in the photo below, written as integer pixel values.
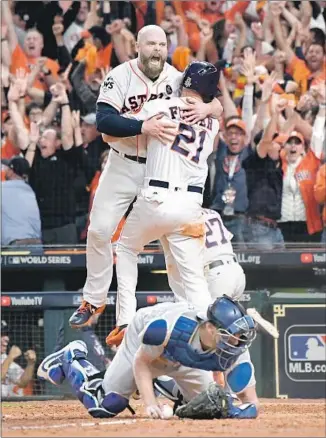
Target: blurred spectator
(300, 218)
(13, 377)
(320, 195)
(92, 149)
(30, 54)
(230, 187)
(265, 183)
(53, 172)
(305, 72)
(73, 34)
(21, 224)
(47, 45)
(93, 187)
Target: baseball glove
(210, 404)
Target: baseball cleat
(82, 317)
(51, 368)
(115, 337)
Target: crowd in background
(267, 175)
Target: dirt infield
(287, 418)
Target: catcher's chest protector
(179, 350)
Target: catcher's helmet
(236, 329)
(203, 78)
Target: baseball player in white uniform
(173, 340)
(169, 204)
(126, 88)
(223, 273)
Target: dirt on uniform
(282, 418)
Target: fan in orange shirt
(97, 50)
(27, 57)
(320, 194)
(305, 73)
(8, 148)
(211, 11)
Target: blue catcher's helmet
(235, 328)
(203, 78)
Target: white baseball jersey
(218, 238)
(183, 161)
(126, 88)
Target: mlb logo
(307, 347)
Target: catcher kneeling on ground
(173, 340)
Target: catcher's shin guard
(76, 367)
(100, 405)
(50, 368)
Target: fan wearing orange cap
(230, 186)
(300, 219)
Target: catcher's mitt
(210, 404)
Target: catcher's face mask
(236, 339)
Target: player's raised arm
(153, 123)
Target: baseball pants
(119, 185)
(177, 216)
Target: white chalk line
(88, 424)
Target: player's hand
(195, 111)
(14, 352)
(163, 129)
(30, 356)
(155, 412)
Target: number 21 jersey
(184, 160)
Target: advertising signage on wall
(300, 351)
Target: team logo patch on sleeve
(107, 84)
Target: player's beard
(150, 69)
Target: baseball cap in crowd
(281, 138)
(238, 123)
(296, 134)
(284, 138)
(4, 328)
(90, 119)
(19, 165)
